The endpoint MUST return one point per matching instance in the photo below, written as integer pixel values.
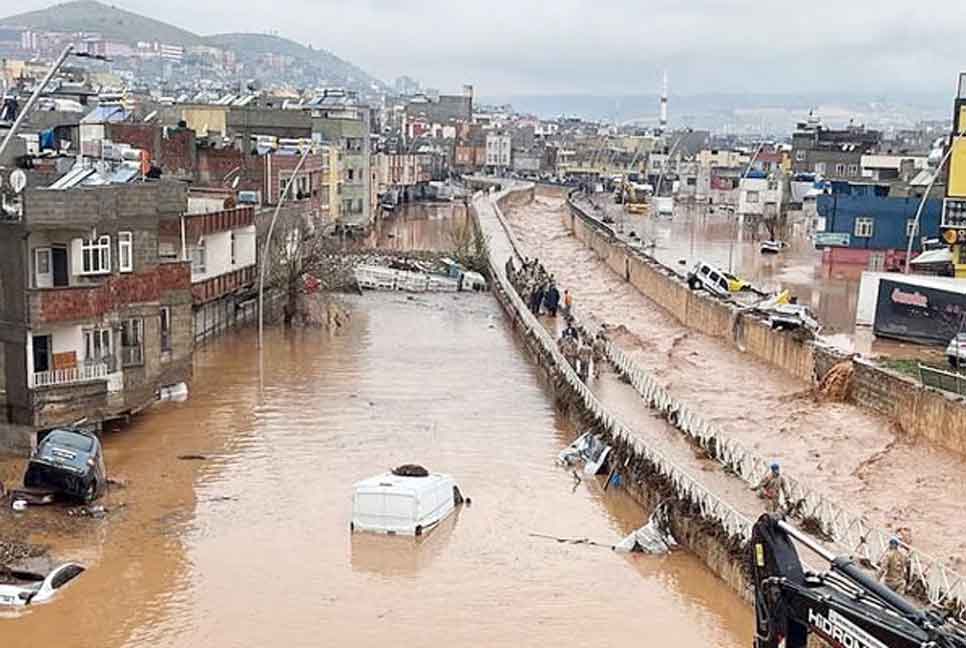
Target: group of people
(539, 288)
(583, 351)
(893, 566)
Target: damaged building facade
(96, 303)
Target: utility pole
(925, 196)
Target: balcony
(217, 287)
(71, 375)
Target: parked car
(956, 351)
(70, 462)
(19, 588)
(714, 280)
(397, 504)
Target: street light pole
(731, 248)
(268, 241)
(33, 99)
(925, 196)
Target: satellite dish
(18, 181)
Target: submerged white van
(401, 505)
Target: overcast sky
(613, 46)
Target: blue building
(863, 219)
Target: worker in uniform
(600, 352)
(584, 354)
(772, 486)
(893, 567)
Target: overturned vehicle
(69, 462)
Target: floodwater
(858, 459)
(420, 226)
(831, 291)
(252, 546)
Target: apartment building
(95, 301)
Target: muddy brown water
(856, 458)
(252, 547)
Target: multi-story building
(834, 154)
(96, 302)
(499, 152)
(347, 127)
(222, 248)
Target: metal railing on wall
(939, 584)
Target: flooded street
(252, 546)
(858, 459)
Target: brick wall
(213, 164)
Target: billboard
(918, 314)
(832, 239)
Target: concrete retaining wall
(723, 551)
(917, 410)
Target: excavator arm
(844, 606)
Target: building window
(752, 196)
(199, 257)
(800, 156)
(910, 227)
(840, 169)
(96, 256)
(165, 329)
(863, 227)
(820, 168)
(97, 346)
(132, 342)
(125, 257)
(853, 170)
(231, 243)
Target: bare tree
(303, 257)
(470, 247)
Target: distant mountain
(127, 27)
(110, 22)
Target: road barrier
(929, 578)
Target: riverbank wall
(917, 410)
(706, 525)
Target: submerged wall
(917, 410)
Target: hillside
(127, 27)
(111, 22)
(249, 46)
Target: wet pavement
(252, 545)
(856, 458)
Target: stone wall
(917, 410)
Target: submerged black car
(70, 462)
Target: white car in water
(20, 588)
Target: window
(853, 170)
(199, 256)
(96, 256)
(125, 258)
(800, 156)
(752, 196)
(840, 169)
(232, 248)
(132, 342)
(820, 168)
(910, 227)
(863, 227)
(97, 346)
(165, 329)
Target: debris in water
(193, 457)
(652, 538)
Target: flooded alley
(251, 546)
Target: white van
(397, 505)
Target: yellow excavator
(635, 196)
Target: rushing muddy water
(858, 459)
(252, 547)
